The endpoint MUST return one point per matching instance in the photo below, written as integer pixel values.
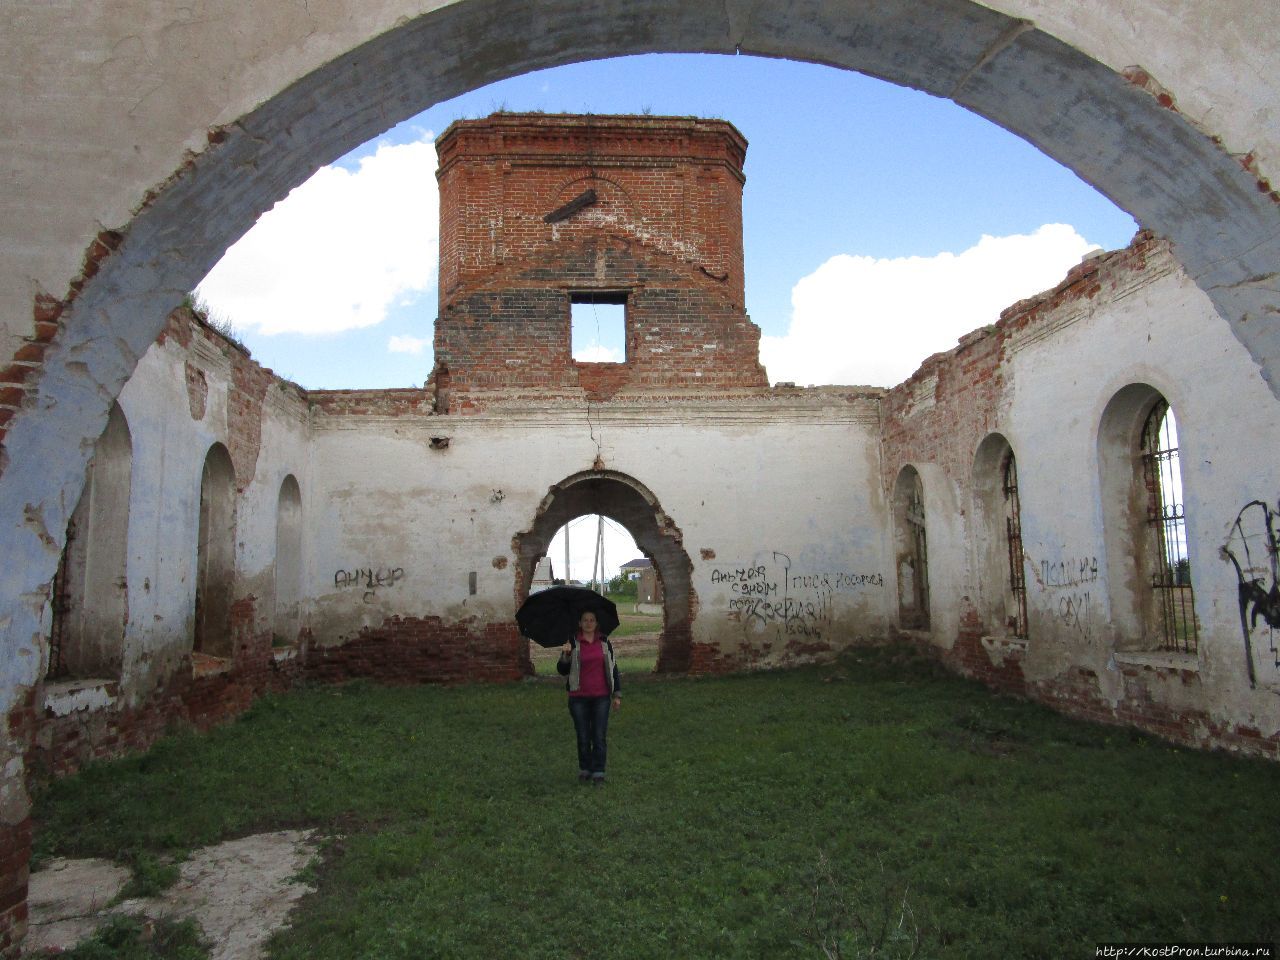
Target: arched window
(288, 566)
(1165, 540)
(1000, 578)
(911, 543)
(1149, 572)
(215, 554)
(90, 608)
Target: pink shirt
(591, 678)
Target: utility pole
(595, 560)
(600, 549)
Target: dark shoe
(583, 776)
(598, 781)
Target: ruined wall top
(539, 211)
(507, 183)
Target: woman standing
(587, 660)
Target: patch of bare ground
(238, 892)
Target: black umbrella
(550, 617)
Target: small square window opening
(598, 325)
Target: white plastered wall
(1229, 437)
(169, 447)
(399, 526)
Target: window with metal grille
(1013, 538)
(1174, 620)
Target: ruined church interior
(1076, 504)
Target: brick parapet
(673, 182)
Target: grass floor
(872, 808)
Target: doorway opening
(590, 504)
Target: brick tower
(540, 211)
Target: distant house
(544, 576)
(649, 587)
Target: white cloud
(401, 344)
(859, 320)
(339, 251)
(597, 353)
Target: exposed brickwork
(197, 390)
(15, 855)
(376, 403)
(663, 227)
(425, 650)
(200, 698)
(19, 375)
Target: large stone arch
(1116, 130)
(625, 500)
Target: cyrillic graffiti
(1062, 579)
(1068, 573)
(370, 579)
(797, 603)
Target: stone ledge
(204, 665)
(1158, 659)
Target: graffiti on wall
(369, 580)
(777, 595)
(1251, 549)
(1068, 583)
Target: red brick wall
(425, 650)
(665, 228)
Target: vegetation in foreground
(872, 808)
(133, 938)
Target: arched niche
(90, 593)
(215, 554)
(626, 501)
(288, 565)
(911, 550)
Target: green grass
(131, 938)
(873, 808)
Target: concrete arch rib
(1148, 158)
(625, 500)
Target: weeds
(134, 938)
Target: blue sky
(869, 192)
(880, 224)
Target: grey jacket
(572, 668)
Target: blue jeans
(590, 723)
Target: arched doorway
(626, 501)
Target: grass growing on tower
(872, 807)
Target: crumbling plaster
(1152, 332)
(169, 447)
(796, 478)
